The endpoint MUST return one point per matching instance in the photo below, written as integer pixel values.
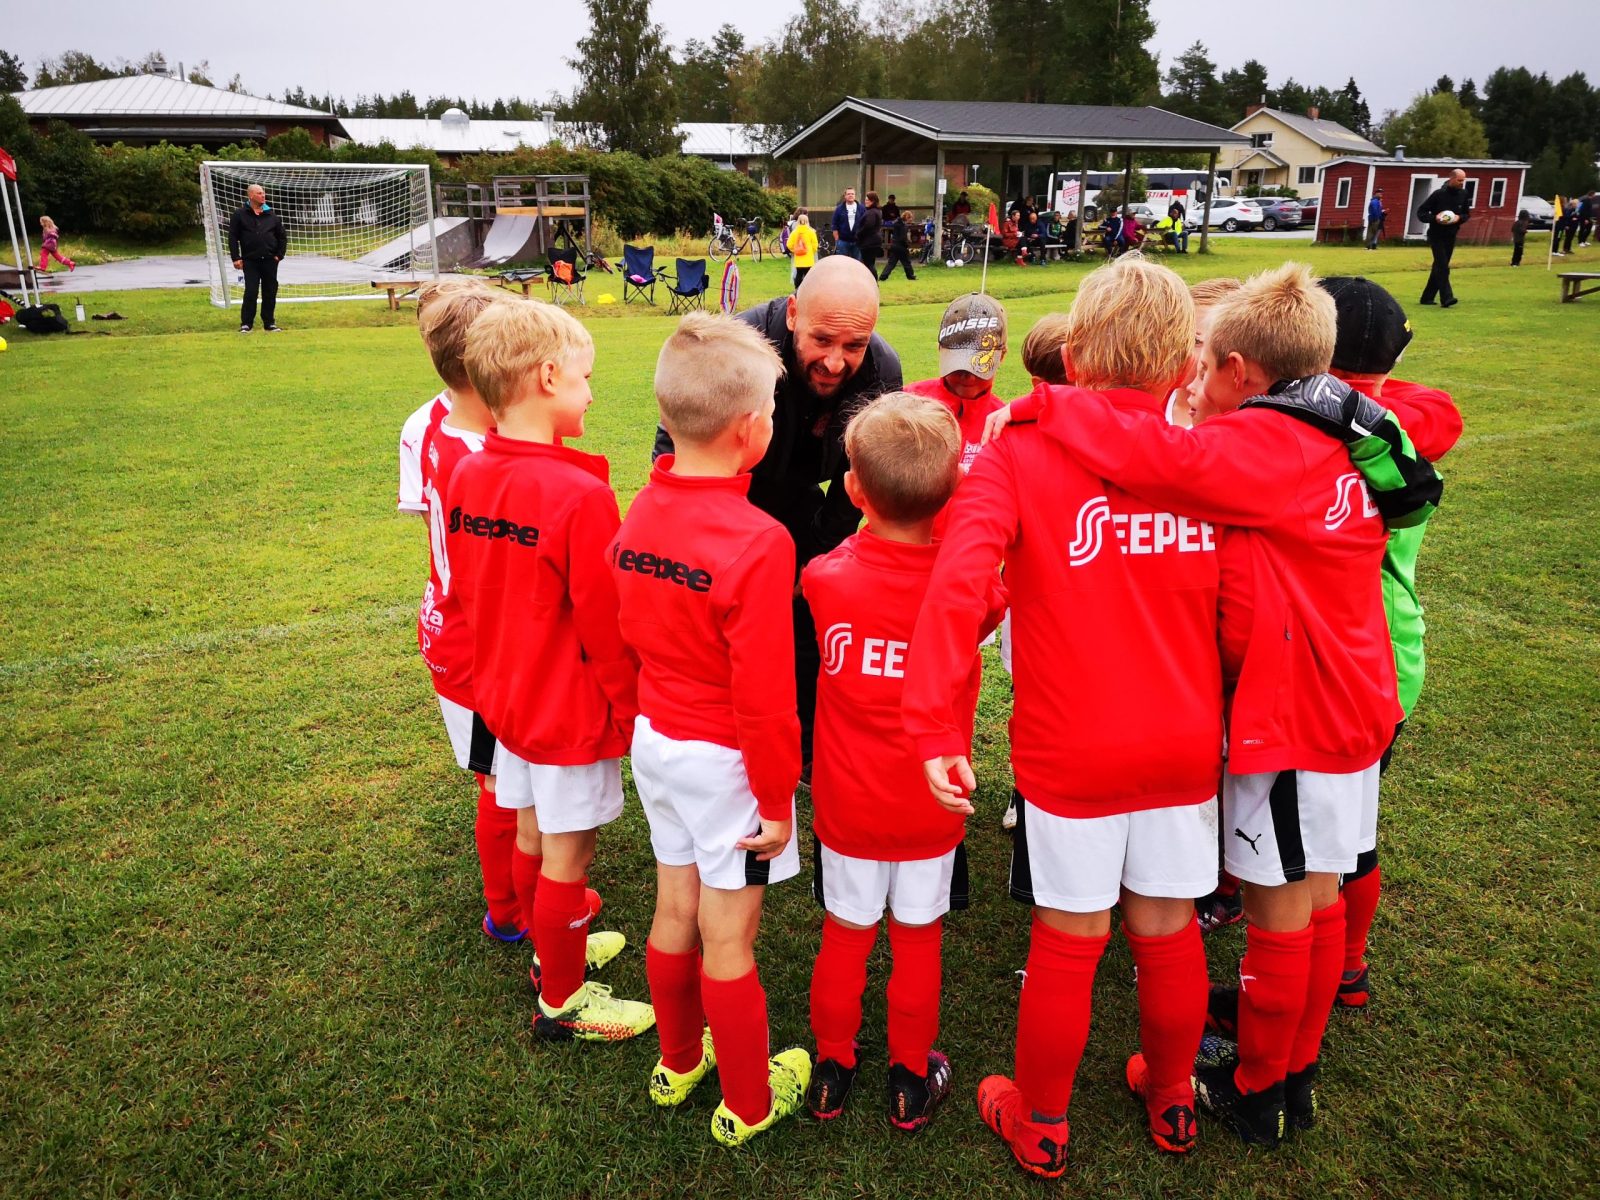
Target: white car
(1228, 215)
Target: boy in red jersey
(1116, 733)
(972, 345)
(528, 523)
(706, 584)
(1306, 655)
(880, 842)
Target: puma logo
(1239, 833)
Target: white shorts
(915, 891)
(1005, 642)
(567, 799)
(697, 798)
(1282, 824)
(1081, 864)
(474, 746)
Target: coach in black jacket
(257, 243)
(833, 363)
(1451, 198)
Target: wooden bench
(523, 279)
(398, 289)
(1572, 285)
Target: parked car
(1277, 212)
(1229, 215)
(1541, 213)
(1308, 212)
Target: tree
(1193, 89)
(1436, 126)
(13, 78)
(942, 53)
(201, 73)
(1518, 112)
(1578, 174)
(72, 67)
(817, 60)
(1107, 45)
(1349, 108)
(1544, 176)
(1293, 97)
(1241, 88)
(1467, 93)
(625, 79)
(705, 78)
(1444, 85)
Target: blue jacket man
(846, 217)
(1375, 215)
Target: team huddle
(1197, 536)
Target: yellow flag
(1558, 207)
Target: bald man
(257, 243)
(1451, 198)
(834, 363)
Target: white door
(1422, 187)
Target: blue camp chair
(689, 288)
(639, 273)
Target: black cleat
(1219, 910)
(1300, 1098)
(1355, 991)
(830, 1086)
(1222, 1012)
(912, 1099)
(1256, 1118)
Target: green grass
(238, 953)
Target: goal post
(349, 225)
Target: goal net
(348, 226)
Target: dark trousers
(898, 255)
(807, 662)
(1516, 250)
(1566, 246)
(1374, 232)
(870, 256)
(800, 276)
(260, 274)
(1439, 277)
(1584, 227)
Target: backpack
(43, 318)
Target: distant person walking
(869, 233)
(1444, 213)
(846, 219)
(899, 231)
(49, 246)
(1519, 235)
(257, 243)
(1588, 214)
(1375, 215)
(803, 245)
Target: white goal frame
(328, 216)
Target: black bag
(43, 318)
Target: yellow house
(1287, 149)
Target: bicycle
(778, 247)
(724, 245)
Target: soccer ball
(1445, 218)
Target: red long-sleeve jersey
(1305, 643)
(969, 414)
(706, 583)
(442, 633)
(867, 788)
(1118, 690)
(526, 532)
(1430, 418)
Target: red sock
(525, 870)
(737, 1012)
(1272, 994)
(1360, 906)
(914, 993)
(1053, 1015)
(1327, 960)
(563, 932)
(1172, 1003)
(837, 981)
(680, 1016)
(496, 833)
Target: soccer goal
(349, 225)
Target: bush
(65, 177)
(149, 193)
(1288, 193)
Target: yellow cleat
(668, 1088)
(788, 1075)
(592, 1014)
(600, 949)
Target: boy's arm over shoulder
(409, 497)
(1428, 415)
(591, 530)
(754, 596)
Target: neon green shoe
(668, 1088)
(592, 1014)
(600, 949)
(788, 1074)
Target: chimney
(1250, 110)
(549, 116)
(1400, 151)
(1313, 112)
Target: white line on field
(1530, 431)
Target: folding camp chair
(638, 273)
(689, 288)
(565, 279)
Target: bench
(524, 279)
(398, 289)
(1572, 285)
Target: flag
(994, 217)
(8, 165)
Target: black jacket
(1445, 199)
(869, 229)
(253, 236)
(781, 486)
(899, 234)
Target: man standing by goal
(256, 243)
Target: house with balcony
(1288, 149)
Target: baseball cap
(972, 332)
(1372, 328)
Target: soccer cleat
(598, 950)
(1009, 821)
(1300, 1102)
(592, 1014)
(1256, 1118)
(1219, 910)
(1354, 993)
(788, 1074)
(503, 933)
(272, 329)
(669, 1088)
(244, 329)
(1222, 1012)
(913, 1099)
(1040, 1147)
(1171, 1115)
(830, 1086)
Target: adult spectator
(869, 233)
(1375, 216)
(846, 218)
(1572, 219)
(1450, 199)
(257, 243)
(1179, 227)
(961, 211)
(891, 211)
(1587, 215)
(834, 363)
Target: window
(1342, 200)
(1307, 175)
(1497, 193)
(1261, 141)
(1472, 193)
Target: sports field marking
(1532, 431)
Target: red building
(1494, 187)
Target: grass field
(238, 944)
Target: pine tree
(1241, 88)
(1193, 89)
(625, 82)
(13, 77)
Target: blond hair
(507, 343)
(1041, 349)
(1280, 320)
(445, 311)
(46, 223)
(1211, 291)
(905, 452)
(713, 370)
(1131, 325)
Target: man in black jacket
(1444, 213)
(257, 243)
(833, 365)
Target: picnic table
(1572, 285)
(398, 289)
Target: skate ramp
(453, 236)
(511, 239)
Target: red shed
(1493, 185)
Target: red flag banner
(994, 217)
(8, 165)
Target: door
(1421, 188)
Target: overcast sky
(502, 49)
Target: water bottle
(79, 312)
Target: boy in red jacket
(880, 841)
(706, 583)
(1116, 733)
(526, 532)
(972, 345)
(1305, 650)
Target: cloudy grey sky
(513, 48)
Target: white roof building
(148, 108)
